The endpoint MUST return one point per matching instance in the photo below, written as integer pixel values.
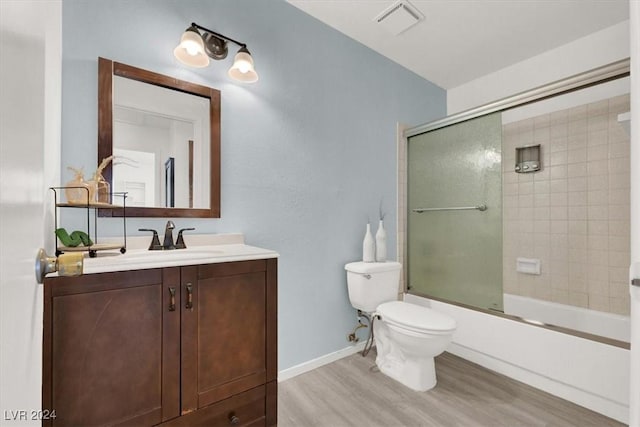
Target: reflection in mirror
(165, 135)
(152, 125)
(570, 219)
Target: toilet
(407, 336)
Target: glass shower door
(456, 254)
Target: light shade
(242, 69)
(190, 51)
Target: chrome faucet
(168, 236)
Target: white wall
(30, 84)
(595, 50)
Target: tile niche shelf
(89, 207)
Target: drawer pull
(189, 304)
(233, 419)
(172, 298)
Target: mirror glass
(164, 134)
(159, 142)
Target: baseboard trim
(310, 365)
(580, 397)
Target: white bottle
(381, 243)
(368, 246)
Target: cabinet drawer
(245, 409)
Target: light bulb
(191, 47)
(244, 66)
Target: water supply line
(353, 338)
(369, 343)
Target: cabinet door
(228, 336)
(103, 348)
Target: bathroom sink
(143, 259)
(177, 254)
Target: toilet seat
(415, 318)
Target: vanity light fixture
(196, 48)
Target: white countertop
(201, 249)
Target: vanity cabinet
(180, 346)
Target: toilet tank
(372, 283)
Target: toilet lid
(415, 317)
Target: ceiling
(461, 40)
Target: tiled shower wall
(573, 215)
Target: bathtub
(614, 326)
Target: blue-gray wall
(307, 152)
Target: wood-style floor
(352, 392)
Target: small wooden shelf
(94, 205)
(96, 247)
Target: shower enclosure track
(596, 76)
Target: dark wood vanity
(181, 346)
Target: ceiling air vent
(399, 17)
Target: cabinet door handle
(189, 304)
(172, 298)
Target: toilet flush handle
(365, 275)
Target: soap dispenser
(368, 246)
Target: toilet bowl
(407, 336)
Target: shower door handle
(480, 208)
(635, 282)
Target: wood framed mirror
(145, 119)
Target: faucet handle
(155, 240)
(180, 242)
